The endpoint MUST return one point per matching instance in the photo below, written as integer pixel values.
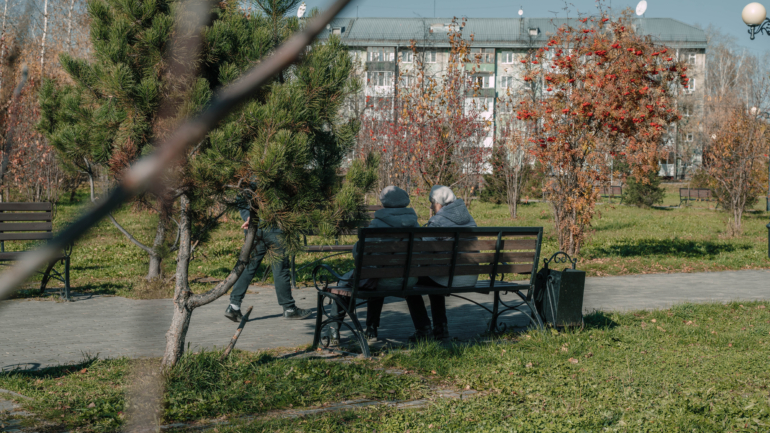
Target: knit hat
(442, 195)
(393, 196)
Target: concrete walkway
(42, 333)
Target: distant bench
(499, 251)
(611, 192)
(32, 222)
(694, 194)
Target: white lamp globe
(754, 14)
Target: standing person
(448, 211)
(395, 214)
(281, 267)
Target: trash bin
(559, 294)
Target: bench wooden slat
(25, 206)
(27, 216)
(481, 286)
(16, 255)
(328, 248)
(443, 271)
(445, 259)
(25, 236)
(25, 227)
(428, 246)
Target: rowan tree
(608, 90)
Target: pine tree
(494, 190)
(644, 192)
(282, 152)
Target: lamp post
(755, 16)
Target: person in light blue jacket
(449, 211)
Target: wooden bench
(694, 194)
(611, 192)
(32, 222)
(496, 252)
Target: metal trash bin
(559, 294)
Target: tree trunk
(155, 270)
(184, 301)
(2, 44)
(42, 39)
(180, 321)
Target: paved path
(40, 333)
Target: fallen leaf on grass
(653, 321)
(84, 371)
(573, 360)
(661, 329)
(589, 354)
(689, 322)
(247, 382)
(433, 372)
(92, 405)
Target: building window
(686, 111)
(484, 81)
(504, 107)
(506, 82)
(430, 56)
(407, 81)
(379, 78)
(337, 31)
(692, 59)
(485, 55)
(380, 54)
(689, 86)
(407, 56)
(506, 57)
(690, 137)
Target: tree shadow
(599, 320)
(662, 247)
(33, 369)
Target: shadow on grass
(599, 320)
(663, 247)
(33, 370)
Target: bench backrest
(697, 193)
(25, 221)
(611, 190)
(414, 252)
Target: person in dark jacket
(281, 268)
(449, 211)
(395, 214)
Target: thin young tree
(735, 158)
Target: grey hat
(393, 196)
(442, 195)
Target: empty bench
(694, 194)
(611, 192)
(496, 253)
(32, 222)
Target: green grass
(623, 240)
(699, 368)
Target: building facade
(382, 46)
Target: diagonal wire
(149, 169)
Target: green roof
(495, 32)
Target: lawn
(693, 368)
(624, 240)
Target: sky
(723, 14)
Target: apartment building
(383, 45)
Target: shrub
(644, 192)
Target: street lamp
(755, 16)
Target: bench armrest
(324, 279)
